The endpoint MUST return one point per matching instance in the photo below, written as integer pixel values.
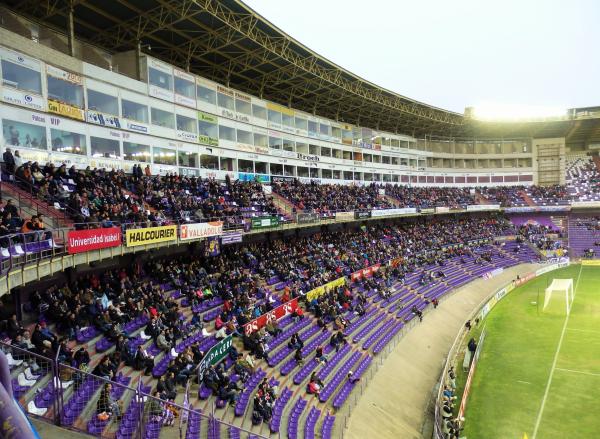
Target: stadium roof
(226, 41)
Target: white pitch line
(524, 382)
(562, 336)
(579, 371)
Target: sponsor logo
(135, 237)
(200, 230)
(85, 240)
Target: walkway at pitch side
(393, 404)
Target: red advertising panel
(275, 314)
(93, 239)
(365, 272)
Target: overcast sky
(456, 53)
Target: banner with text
(80, 241)
(344, 216)
(390, 212)
(231, 238)
(365, 272)
(200, 230)
(215, 355)
(319, 291)
(275, 314)
(150, 235)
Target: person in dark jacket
(9, 161)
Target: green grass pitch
(511, 380)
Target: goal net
(559, 294)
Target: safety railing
(109, 406)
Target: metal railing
(107, 407)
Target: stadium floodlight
(557, 288)
(510, 112)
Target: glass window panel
(288, 145)
(275, 142)
(274, 116)
(107, 148)
(314, 172)
(160, 79)
(260, 167)
(21, 77)
(226, 164)
(65, 141)
(259, 112)
(226, 101)
(102, 102)
(325, 152)
(276, 169)
(206, 94)
(209, 162)
(260, 140)
(210, 130)
(185, 88)
(164, 156)
(185, 123)
(324, 129)
(289, 171)
(134, 111)
(245, 166)
(301, 124)
(244, 137)
(326, 173)
(162, 118)
(288, 121)
(243, 107)
(65, 92)
(188, 159)
(336, 132)
(312, 128)
(302, 171)
(136, 152)
(313, 149)
(23, 134)
(226, 133)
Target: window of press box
(208, 129)
(243, 107)
(274, 116)
(326, 173)
(188, 159)
(312, 128)
(185, 123)
(102, 102)
(288, 145)
(107, 148)
(134, 111)
(160, 79)
(186, 88)
(260, 140)
(276, 169)
(313, 149)
(225, 101)
(302, 171)
(163, 156)
(245, 166)
(162, 118)
(337, 174)
(65, 92)
(65, 141)
(287, 121)
(209, 161)
(289, 171)
(275, 142)
(136, 152)
(348, 175)
(21, 77)
(325, 152)
(244, 137)
(206, 94)
(23, 134)
(301, 124)
(259, 112)
(325, 130)
(314, 172)
(260, 168)
(226, 164)
(226, 133)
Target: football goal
(558, 289)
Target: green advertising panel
(264, 222)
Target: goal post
(557, 289)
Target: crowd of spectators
(429, 197)
(540, 236)
(327, 198)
